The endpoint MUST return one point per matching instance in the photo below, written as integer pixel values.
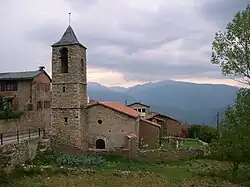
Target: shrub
(79, 161)
(45, 158)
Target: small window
(64, 89)
(46, 104)
(66, 120)
(143, 110)
(135, 109)
(39, 105)
(99, 121)
(109, 130)
(82, 65)
(139, 110)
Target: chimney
(41, 68)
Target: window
(47, 87)
(99, 121)
(66, 120)
(82, 65)
(143, 110)
(135, 109)
(39, 105)
(64, 60)
(8, 86)
(64, 89)
(46, 104)
(139, 110)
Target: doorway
(100, 144)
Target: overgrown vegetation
(117, 171)
(203, 132)
(231, 50)
(6, 112)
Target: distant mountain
(189, 102)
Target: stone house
(28, 92)
(141, 108)
(169, 125)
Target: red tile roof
(151, 123)
(122, 108)
(116, 106)
(131, 135)
(152, 115)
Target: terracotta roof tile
(131, 135)
(122, 108)
(152, 123)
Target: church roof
(118, 107)
(68, 38)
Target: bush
(78, 161)
(45, 158)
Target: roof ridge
(18, 71)
(68, 38)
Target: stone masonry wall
(25, 150)
(30, 120)
(69, 96)
(69, 131)
(113, 128)
(149, 133)
(75, 81)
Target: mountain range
(187, 102)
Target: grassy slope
(200, 173)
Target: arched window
(100, 144)
(64, 60)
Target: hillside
(189, 102)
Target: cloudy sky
(128, 41)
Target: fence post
(39, 132)
(17, 133)
(29, 134)
(1, 137)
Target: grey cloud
(125, 41)
(222, 11)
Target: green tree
(6, 112)
(233, 145)
(194, 131)
(208, 133)
(231, 49)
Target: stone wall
(30, 120)
(149, 133)
(170, 154)
(109, 125)
(25, 150)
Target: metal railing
(16, 137)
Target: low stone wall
(29, 120)
(170, 154)
(184, 139)
(25, 150)
(122, 152)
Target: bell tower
(69, 89)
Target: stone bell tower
(69, 89)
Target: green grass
(191, 143)
(119, 172)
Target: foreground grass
(121, 173)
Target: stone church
(89, 125)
